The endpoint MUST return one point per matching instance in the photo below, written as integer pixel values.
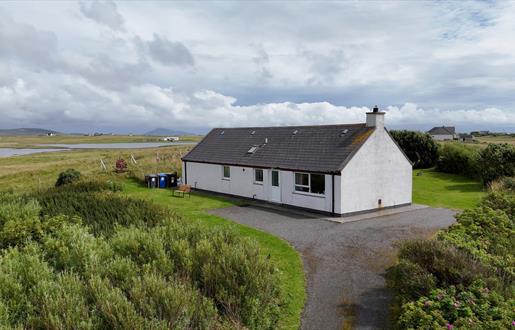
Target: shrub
(20, 221)
(504, 184)
(486, 234)
(501, 201)
(410, 280)
(463, 279)
(67, 177)
(175, 305)
(101, 212)
(475, 308)
(89, 186)
(128, 264)
(62, 303)
(496, 161)
(448, 265)
(420, 147)
(458, 159)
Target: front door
(275, 187)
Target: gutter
(185, 172)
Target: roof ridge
(290, 126)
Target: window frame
(272, 178)
(262, 176)
(308, 186)
(301, 186)
(223, 172)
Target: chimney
(375, 118)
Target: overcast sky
(134, 66)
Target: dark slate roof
(320, 149)
(443, 130)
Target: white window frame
(309, 192)
(262, 176)
(295, 185)
(223, 172)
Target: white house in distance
(336, 169)
(443, 133)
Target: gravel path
(344, 262)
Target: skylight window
(252, 150)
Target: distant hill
(167, 132)
(26, 131)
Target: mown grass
(288, 261)
(445, 190)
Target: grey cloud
(262, 60)
(103, 12)
(21, 42)
(170, 53)
(324, 67)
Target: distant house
(337, 169)
(443, 133)
(171, 138)
(467, 138)
(50, 134)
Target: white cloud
(219, 64)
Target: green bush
(475, 308)
(486, 234)
(446, 264)
(496, 161)
(501, 201)
(458, 159)
(67, 177)
(420, 147)
(464, 279)
(130, 265)
(102, 212)
(410, 280)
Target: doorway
(275, 187)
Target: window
(258, 175)
(302, 182)
(312, 183)
(317, 184)
(275, 178)
(226, 172)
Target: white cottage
(337, 169)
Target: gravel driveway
(344, 262)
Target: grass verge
(286, 258)
(445, 190)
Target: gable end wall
(379, 170)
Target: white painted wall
(209, 177)
(378, 170)
(442, 137)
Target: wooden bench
(184, 189)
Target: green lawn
(286, 258)
(445, 190)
